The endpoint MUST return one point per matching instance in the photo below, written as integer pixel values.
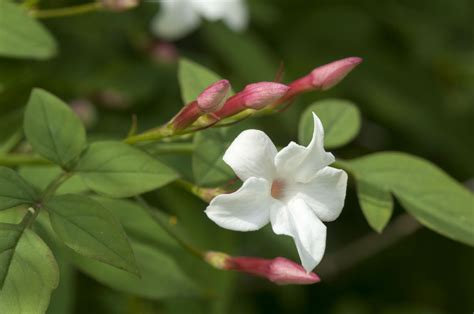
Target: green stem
(170, 148)
(68, 11)
(54, 185)
(21, 159)
(11, 142)
(188, 247)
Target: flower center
(278, 187)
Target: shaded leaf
(53, 130)
(9, 237)
(89, 229)
(41, 176)
(14, 190)
(209, 148)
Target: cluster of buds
(212, 102)
(279, 270)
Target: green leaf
(209, 147)
(119, 170)
(161, 277)
(32, 276)
(376, 204)
(340, 119)
(193, 79)
(9, 237)
(53, 130)
(21, 36)
(88, 228)
(41, 176)
(14, 190)
(425, 191)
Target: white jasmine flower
(294, 189)
(177, 18)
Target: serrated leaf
(193, 79)
(340, 119)
(119, 170)
(209, 148)
(376, 204)
(14, 190)
(425, 191)
(32, 276)
(21, 36)
(53, 130)
(89, 229)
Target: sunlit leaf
(425, 191)
(21, 36)
(193, 79)
(32, 275)
(340, 119)
(119, 170)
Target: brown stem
(366, 247)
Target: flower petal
(236, 16)
(280, 219)
(302, 163)
(247, 209)
(308, 232)
(251, 154)
(176, 19)
(325, 193)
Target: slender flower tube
(210, 100)
(279, 270)
(254, 96)
(322, 78)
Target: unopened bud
(254, 96)
(118, 5)
(164, 52)
(323, 77)
(279, 270)
(213, 97)
(210, 100)
(326, 76)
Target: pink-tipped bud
(213, 97)
(210, 100)
(327, 76)
(323, 77)
(254, 96)
(279, 270)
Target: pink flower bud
(279, 270)
(163, 52)
(210, 100)
(254, 96)
(323, 77)
(213, 97)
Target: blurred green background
(415, 90)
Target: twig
(366, 247)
